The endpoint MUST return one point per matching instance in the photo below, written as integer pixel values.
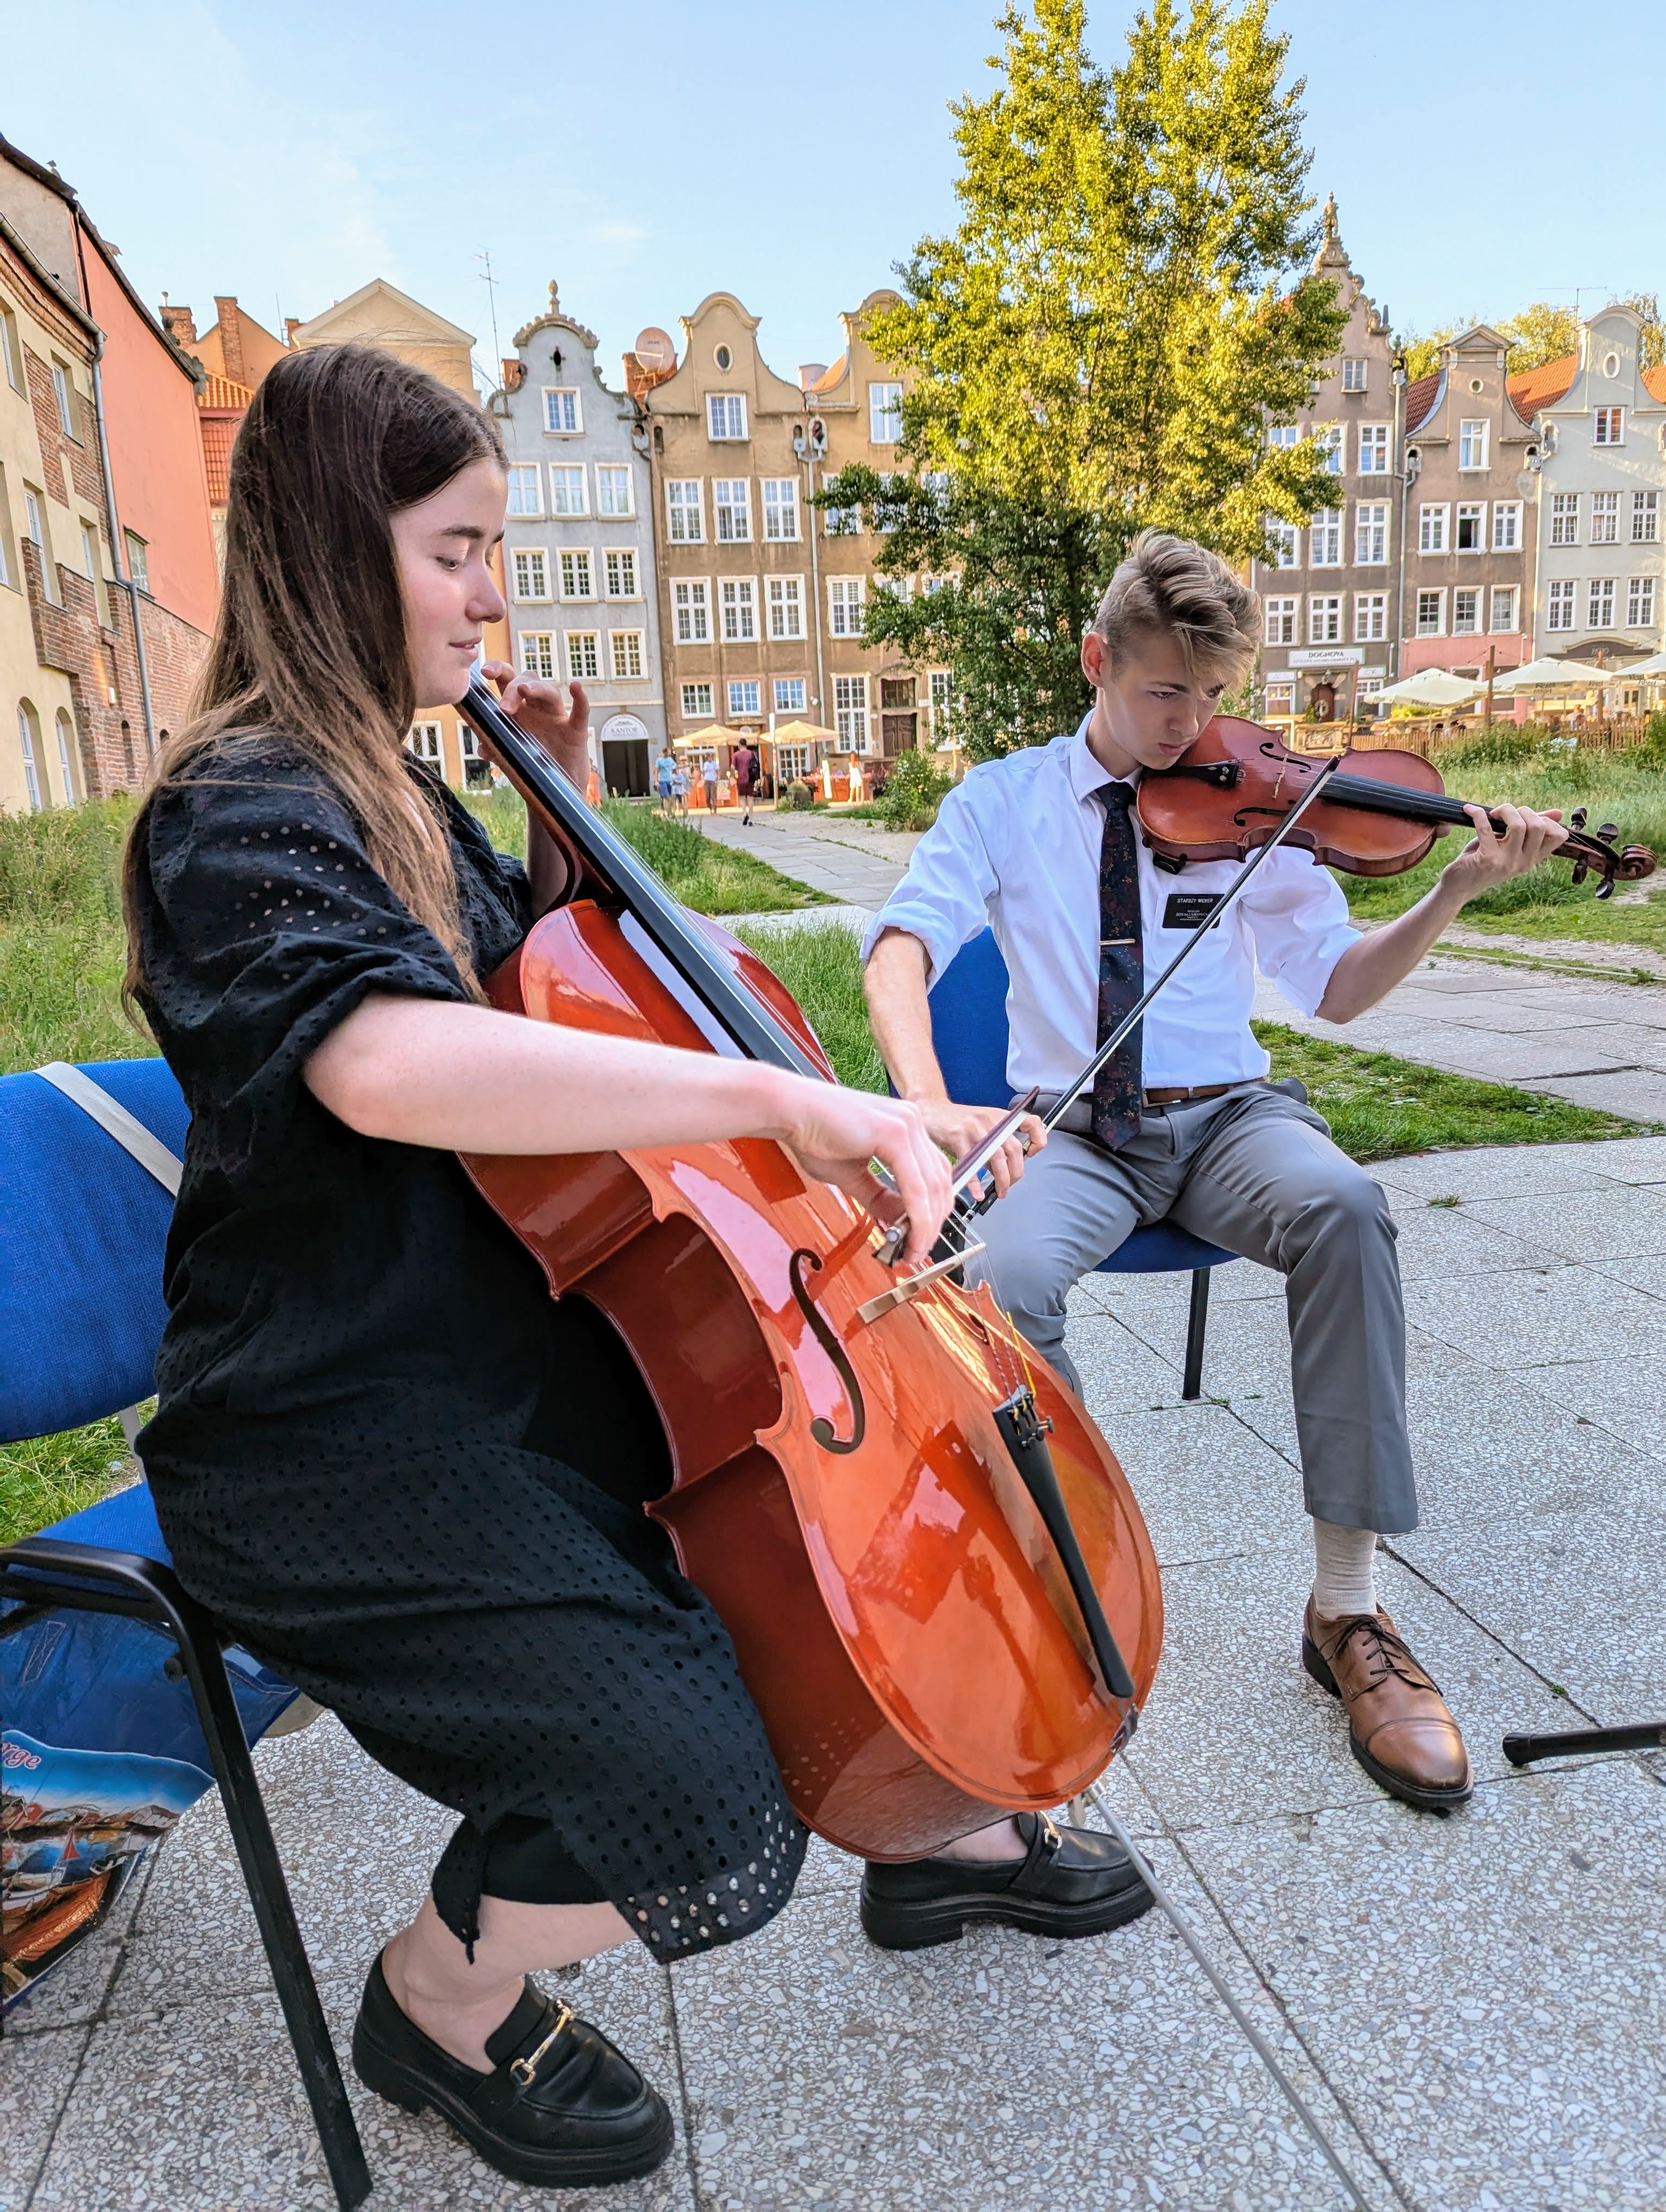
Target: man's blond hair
(1168, 586)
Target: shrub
(797, 798)
(914, 791)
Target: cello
(942, 1596)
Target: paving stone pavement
(1473, 2006)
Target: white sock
(1344, 1581)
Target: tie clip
(1105, 941)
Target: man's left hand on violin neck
(1495, 855)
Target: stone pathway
(858, 863)
(1473, 2005)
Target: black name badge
(1189, 909)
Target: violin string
(1257, 2042)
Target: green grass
(43, 1480)
(61, 948)
(817, 962)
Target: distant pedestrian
(745, 777)
(679, 789)
(708, 776)
(665, 771)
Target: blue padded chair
(969, 1033)
(83, 1217)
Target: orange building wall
(155, 452)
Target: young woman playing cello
(433, 1529)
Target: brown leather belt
(1077, 1117)
(1184, 1095)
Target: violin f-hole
(821, 1429)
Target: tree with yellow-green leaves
(1096, 348)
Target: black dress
(403, 1475)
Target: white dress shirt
(1016, 845)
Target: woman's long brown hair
(310, 646)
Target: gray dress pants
(1254, 1170)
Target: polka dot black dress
(404, 1476)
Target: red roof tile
(219, 434)
(225, 391)
(1543, 387)
(1420, 401)
(1654, 383)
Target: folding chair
(91, 1164)
(969, 1033)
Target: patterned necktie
(1117, 1091)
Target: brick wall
(174, 653)
(103, 672)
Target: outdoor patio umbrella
(705, 740)
(1430, 687)
(1654, 666)
(1542, 675)
(801, 733)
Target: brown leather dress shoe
(1398, 1726)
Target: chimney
(179, 324)
(231, 337)
(811, 372)
(291, 324)
(515, 373)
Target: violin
(1379, 815)
(940, 1591)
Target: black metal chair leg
(155, 1592)
(1568, 1743)
(1197, 1322)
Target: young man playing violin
(1183, 1122)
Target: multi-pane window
(1565, 518)
(690, 606)
(1506, 526)
(424, 742)
(1431, 613)
(1370, 533)
(696, 703)
(1371, 617)
(1559, 613)
(786, 606)
(884, 414)
(1325, 539)
(744, 697)
(846, 598)
(1353, 375)
(530, 567)
(1605, 518)
(1599, 603)
(1432, 529)
(625, 650)
(1471, 445)
(1324, 618)
(566, 490)
(66, 420)
(732, 498)
(537, 654)
(90, 554)
(1284, 435)
(577, 578)
(1329, 438)
(1471, 526)
(850, 712)
(683, 522)
(138, 558)
(781, 508)
(1373, 449)
(738, 599)
(619, 568)
(561, 412)
(843, 522)
(1608, 427)
(1282, 551)
(584, 661)
(1280, 621)
(613, 490)
(938, 683)
(1504, 607)
(523, 492)
(1645, 516)
(1640, 602)
(1466, 613)
(790, 698)
(10, 351)
(726, 414)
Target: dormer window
(1353, 375)
(1608, 427)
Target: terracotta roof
(1543, 387)
(829, 377)
(1654, 383)
(225, 391)
(1420, 398)
(219, 435)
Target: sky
(1483, 153)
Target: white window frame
(615, 560)
(61, 390)
(743, 684)
(1325, 539)
(1604, 518)
(1435, 624)
(737, 601)
(567, 478)
(524, 475)
(1328, 436)
(940, 700)
(1640, 594)
(1433, 523)
(568, 558)
(583, 665)
(1559, 602)
(634, 644)
(539, 656)
(846, 595)
(570, 424)
(682, 510)
(28, 736)
(1370, 533)
(1355, 371)
(1474, 511)
(781, 688)
(529, 574)
(725, 417)
(1646, 518)
(784, 597)
(610, 472)
(1324, 618)
(780, 510)
(1279, 620)
(732, 517)
(851, 713)
(1506, 526)
(1284, 538)
(138, 550)
(1600, 596)
(425, 742)
(1506, 592)
(1608, 426)
(1373, 449)
(884, 414)
(11, 351)
(1473, 444)
(1470, 595)
(1284, 436)
(696, 703)
(691, 610)
(1565, 518)
(1370, 617)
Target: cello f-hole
(821, 1429)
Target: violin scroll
(1626, 864)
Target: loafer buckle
(525, 2070)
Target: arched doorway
(625, 743)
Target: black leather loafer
(1072, 1881)
(561, 2107)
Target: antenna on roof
(490, 283)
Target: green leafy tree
(1097, 348)
(1422, 355)
(1539, 333)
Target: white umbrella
(1654, 666)
(1543, 675)
(1430, 687)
